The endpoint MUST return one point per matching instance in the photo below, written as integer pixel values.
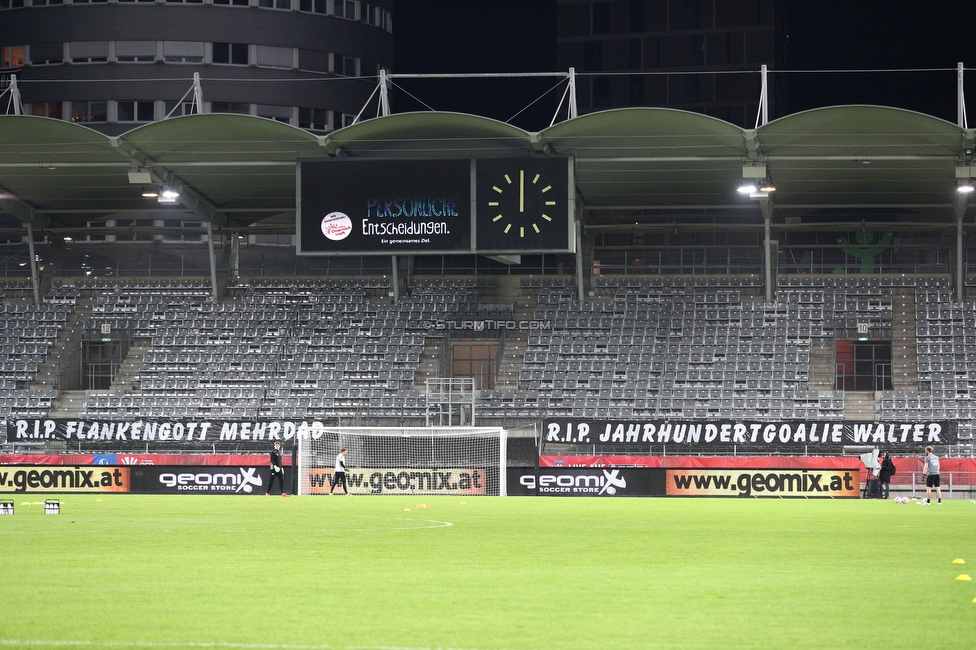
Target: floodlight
(965, 188)
(747, 188)
(168, 195)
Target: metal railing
(955, 485)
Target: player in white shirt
(930, 472)
(340, 472)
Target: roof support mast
(960, 98)
(962, 199)
(14, 100)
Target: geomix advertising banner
(48, 478)
(763, 483)
(176, 433)
(513, 204)
(701, 434)
(203, 479)
(579, 482)
(659, 482)
(401, 480)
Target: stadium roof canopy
(639, 164)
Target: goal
(405, 460)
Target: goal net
(405, 460)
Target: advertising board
(201, 479)
(59, 478)
(401, 480)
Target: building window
(42, 3)
(11, 4)
(85, 111)
(313, 119)
(230, 107)
(313, 61)
(89, 51)
(230, 53)
(277, 113)
(178, 109)
(144, 111)
(347, 65)
(314, 6)
(47, 53)
(368, 68)
(345, 9)
(135, 51)
(183, 52)
(12, 57)
(153, 1)
(47, 109)
(196, 2)
(236, 3)
(275, 57)
(275, 4)
(347, 119)
(601, 18)
(371, 15)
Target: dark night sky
(520, 36)
(451, 36)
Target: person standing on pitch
(930, 472)
(276, 470)
(340, 471)
(884, 476)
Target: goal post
(405, 460)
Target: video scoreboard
(436, 206)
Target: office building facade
(116, 64)
(696, 55)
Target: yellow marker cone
(974, 600)
(959, 561)
(97, 499)
(406, 509)
(963, 577)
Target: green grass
(359, 572)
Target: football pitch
(485, 573)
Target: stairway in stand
(68, 404)
(904, 351)
(516, 340)
(860, 405)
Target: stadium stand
(642, 347)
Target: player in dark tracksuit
(276, 470)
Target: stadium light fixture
(965, 188)
(747, 188)
(150, 192)
(140, 176)
(168, 195)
